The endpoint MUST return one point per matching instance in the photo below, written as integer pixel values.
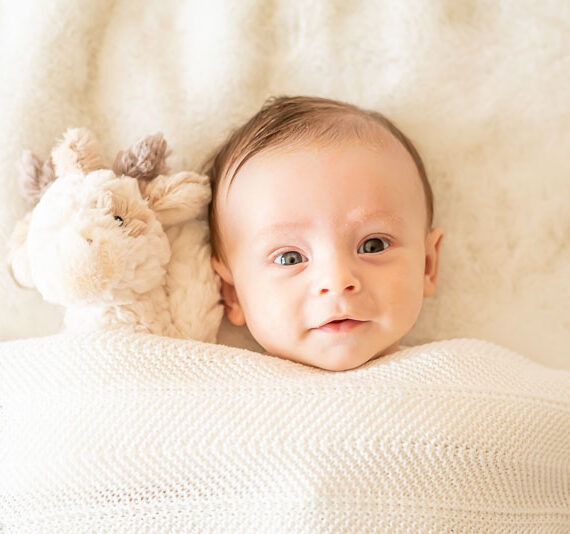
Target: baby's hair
(286, 121)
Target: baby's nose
(338, 279)
(348, 289)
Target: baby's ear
(232, 307)
(18, 260)
(178, 198)
(433, 245)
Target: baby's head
(322, 233)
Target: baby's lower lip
(340, 327)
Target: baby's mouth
(340, 326)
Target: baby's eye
(373, 245)
(119, 219)
(290, 258)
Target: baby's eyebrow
(280, 228)
(359, 216)
(354, 218)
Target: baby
(322, 232)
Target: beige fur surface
(481, 87)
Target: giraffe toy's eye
(120, 220)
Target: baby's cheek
(408, 299)
(273, 317)
(268, 331)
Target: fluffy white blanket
(482, 87)
(119, 433)
(137, 433)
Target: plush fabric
(137, 433)
(119, 247)
(481, 87)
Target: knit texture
(118, 432)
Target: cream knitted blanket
(136, 433)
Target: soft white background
(482, 87)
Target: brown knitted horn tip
(146, 159)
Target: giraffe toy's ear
(178, 198)
(78, 151)
(144, 160)
(34, 176)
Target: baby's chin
(336, 362)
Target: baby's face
(328, 258)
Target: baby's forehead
(285, 174)
(376, 137)
(350, 171)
